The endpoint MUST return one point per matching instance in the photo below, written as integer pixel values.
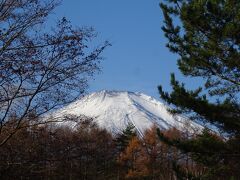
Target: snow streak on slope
(113, 110)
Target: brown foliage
(49, 152)
(147, 157)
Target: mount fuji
(114, 110)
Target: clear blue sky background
(138, 59)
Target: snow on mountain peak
(114, 110)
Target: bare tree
(40, 69)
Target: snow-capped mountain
(114, 110)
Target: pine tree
(122, 140)
(205, 36)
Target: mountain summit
(114, 110)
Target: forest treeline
(88, 152)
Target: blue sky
(138, 59)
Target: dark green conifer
(205, 34)
(122, 140)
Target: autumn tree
(205, 36)
(41, 67)
(59, 152)
(129, 158)
(157, 155)
(147, 157)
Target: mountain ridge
(114, 110)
